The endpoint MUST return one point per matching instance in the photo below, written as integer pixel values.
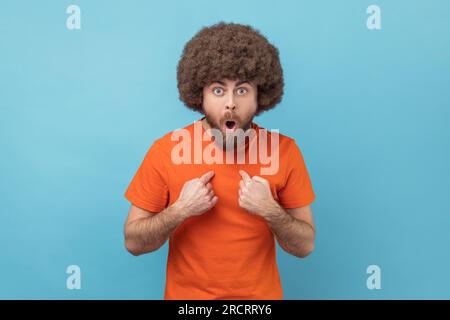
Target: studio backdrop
(87, 86)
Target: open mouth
(230, 125)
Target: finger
(241, 203)
(210, 194)
(206, 177)
(241, 184)
(214, 201)
(245, 176)
(209, 186)
(243, 188)
(262, 180)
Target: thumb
(245, 176)
(207, 176)
(262, 180)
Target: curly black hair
(229, 51)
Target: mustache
(230, 116)
(219, 123)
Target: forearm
(149, 234)
(294, 236)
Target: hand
(197, 196)
(255, 195)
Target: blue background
(368, 108)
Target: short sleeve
(148, 189)
(297, 191)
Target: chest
(225, 181)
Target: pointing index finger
(207, 176)
(245, 176)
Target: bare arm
(147, 231)
(293, 228)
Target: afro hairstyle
(229, 51)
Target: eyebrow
(237, 84)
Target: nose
(231, 105)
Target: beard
(230, 139)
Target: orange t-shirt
(225, 253)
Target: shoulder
(168, 140)
(285, 142)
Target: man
(222, 217)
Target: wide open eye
(241, 91)
(218, 91)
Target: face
(229, 105)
